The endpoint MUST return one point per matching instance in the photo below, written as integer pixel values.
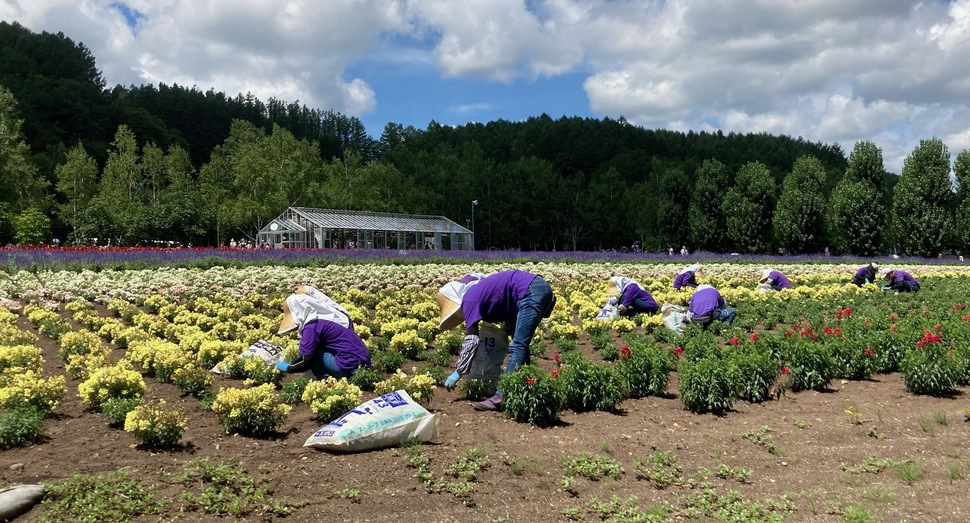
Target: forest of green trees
(80, 160)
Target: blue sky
(835, 71)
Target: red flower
(957, 307)
(625, 352)
(814, 337)
(966, 318)
(754, 336)
(827, 330)
(788, 333)
(919, 344)
(837, 331)
(786, 371)
(866, 322)
(939, 327)
(556, 357)
(530, 381)
(678, 351)
(847, 311)
(735, 340)
(892, 318)
(867, 352)
(892, 328)
(555, 373)
(926, 313)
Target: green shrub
(331, 398)
(588, 386)
(20, 425)
(756, 371)
(707, 384)
(116, 409)
(255, 412)
(387, 360)
(930, 369)
(476, 390)
(155, 425)
(192, 380)
(366, 378)
(645, 370)
(531, 396)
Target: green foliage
(756, 371)
(476, 390)
(387, 360)
(856, 209)
(930, 369)
(531, 396)
(31, 227)
(588, 386)
(646, 370)
(662, 469)
(116, 409)
(748, 208)
(704, 214)
(593, 467)
(799, 216)
(226, 489)
(707, 384)
(20, 425)
(366, 378)
(811, 365)
(110, 497)
(921, 214)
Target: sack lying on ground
(385, 421)
(609, 312)
(269, 352)
(673, 317)
(486, 365)
(18, 499)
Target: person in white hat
(899, 281)
(518, 299)
(329, 346)
(865, 274)
(774, 279)
(687, 277)
(707, 305)
(633, 298)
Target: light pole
(474, 204)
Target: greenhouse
(308, 228)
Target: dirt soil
(814, 431)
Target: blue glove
(452, 380)
(885, 287)
(282, 366)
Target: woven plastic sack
(673, 317)
(493, 346)
(269, 352)
(609, 312)
(19, 499)
(385, 421)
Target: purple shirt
(862, 273)
(345, 344)
(899, 276)
(685, 279)
(779, 279)
(632, 292)
(706, 301)
(495, 298)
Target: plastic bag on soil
(269, 352)
(385, 421)
(673, 317)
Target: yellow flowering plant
(408, 343)
(420, 387)
(156, 425)
(257, 411)
(17, 358)
(30, 389)
(117, 381)
(331, 398)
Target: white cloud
(891, 71)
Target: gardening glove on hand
(282, 366)
(621, 309)
(885, 287)
(452, 380)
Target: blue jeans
(536, 304)
(726, 315)
(325, 364)
(641, 305)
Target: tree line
(137, 164)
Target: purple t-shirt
(685, 279)
(899, 275)
(779, 279)
(345, 344)
(632, 292)
(495, 298)
(862, 273)
(705, 301)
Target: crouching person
(899, 281)
(633, 298)
(707, 306)
(517, 299)
(329, 346)
(865, 274)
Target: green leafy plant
(255, 412)
(661, 469)
(930, 368)
(117, 409)
(645, 370)
(531, 396)
(192, 380)
(387, 360)
(764, 438)
(331, 398)
(292, 391)
(590, 466)
(20, 425)
(588, 386)
(226, 489)
(366, 378)
(476, 390)
(707, 384)
(110, 497)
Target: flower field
(826, 402)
